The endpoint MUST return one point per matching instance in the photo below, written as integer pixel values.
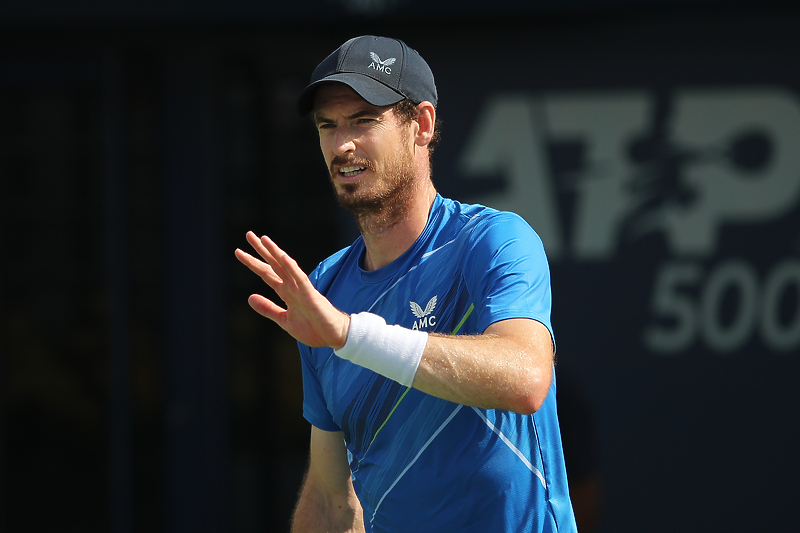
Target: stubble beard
(386, 201)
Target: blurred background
(652, 144)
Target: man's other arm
(328, 502)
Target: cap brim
(368, 88)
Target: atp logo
(425, 317)
(686, 166)
(381, 66)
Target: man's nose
(344, 141)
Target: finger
(266, 307)
(295, 273)
(282, 261)
(246, 259)
(269, 254)
(255, 242)
(290, 270)
(259, 268)
(253, 239)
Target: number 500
(682, 317)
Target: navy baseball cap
(381, 70)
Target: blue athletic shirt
(424, 464)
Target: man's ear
(426, 120)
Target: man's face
(367, 149)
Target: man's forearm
(316, 514)
(508, 367)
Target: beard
(386, 200)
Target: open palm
(308, 316)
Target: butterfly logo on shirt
(425, 317)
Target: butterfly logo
(385, 63)
(419, 312)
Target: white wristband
(391, 351)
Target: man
(426, 346)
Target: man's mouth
(349, 172)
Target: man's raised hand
(308, 316)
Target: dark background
(139, 141)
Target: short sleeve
(507, 271)
(315, 409)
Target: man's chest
(430, 296)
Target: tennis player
(426, 346)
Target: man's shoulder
(334, 259)
(465, 210)
(330, 267)
(479, 218)
(469, 211)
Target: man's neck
(383, 243)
